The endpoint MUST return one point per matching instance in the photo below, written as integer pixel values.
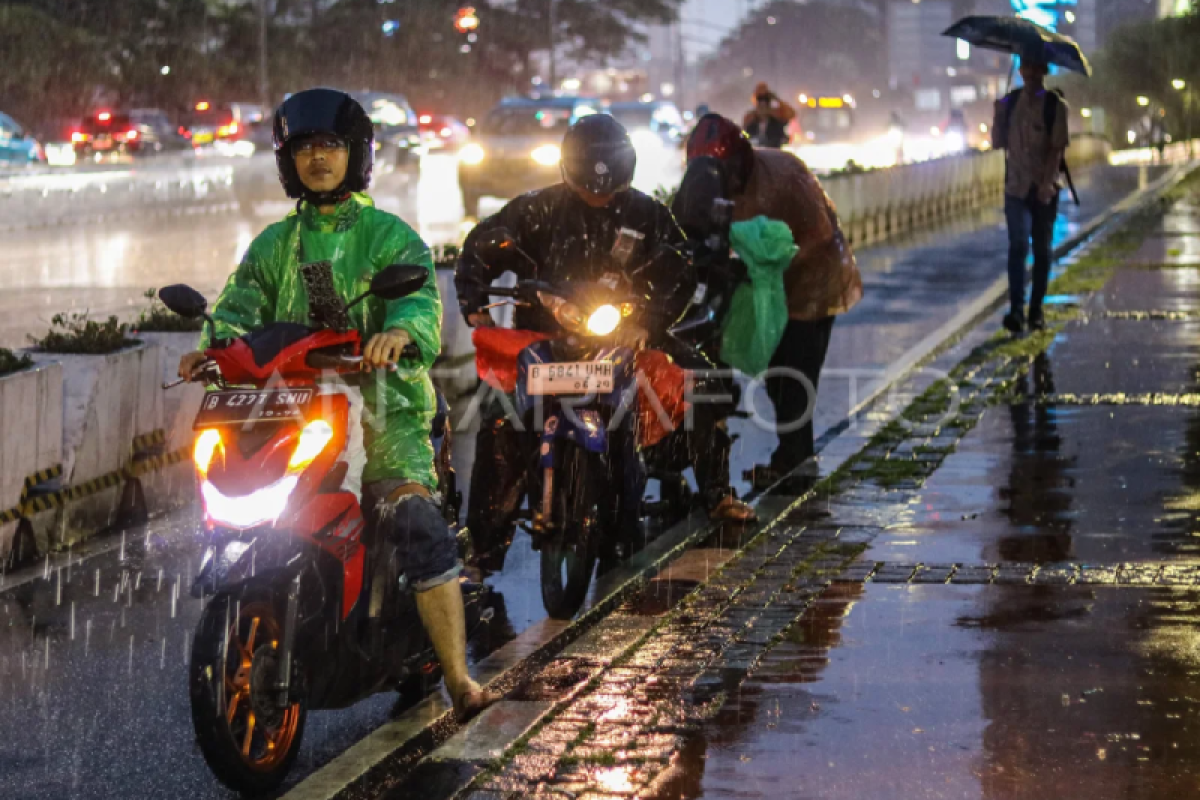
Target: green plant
(12, 362)
(75, 333)
(158, 318)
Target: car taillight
(131, 135)
(228, 130)
(79, 137)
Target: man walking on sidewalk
(1031, 126)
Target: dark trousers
(802, 350)
(1028, 219)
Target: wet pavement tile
(1154, 356)
(1149, 290)
(1175, 249)
(1035, 483)
(965, 692)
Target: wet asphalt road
(92, 683)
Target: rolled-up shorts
(425, 545)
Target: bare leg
(441, 610)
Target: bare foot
(472, 699)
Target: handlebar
(319, 360)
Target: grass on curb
(74, 333)
(11, 362)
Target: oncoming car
(516, 147)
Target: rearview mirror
(183, 300)
(399, 280)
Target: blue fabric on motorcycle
(758, 312)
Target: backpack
(1049, 117)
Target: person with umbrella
(1030, 125)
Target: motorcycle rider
(570, 231)
(822, 281)
(324, 152)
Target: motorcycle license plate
(580, 377)
(251, 405)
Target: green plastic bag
(758, 313)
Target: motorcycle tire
(570, 549)
(244, 752)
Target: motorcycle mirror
(399, 280)
(183, 300)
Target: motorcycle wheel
(570, 550)
(249, 743)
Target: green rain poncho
(359, 240)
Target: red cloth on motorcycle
(496, 351)
(665, 410)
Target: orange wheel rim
(261, 746)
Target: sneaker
(1037, 322)
(1013, 324)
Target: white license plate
(580, 377)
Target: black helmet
(598, 156)
(326, 111)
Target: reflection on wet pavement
(1176, 289)
(967, 692)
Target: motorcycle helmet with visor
(326, 119)
(598, 156)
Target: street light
(1086, 113)
(1179, 85)
(1143, 101)
(165, 70)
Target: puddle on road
(1172, 249)
(1043, 483)
(1154, 356)
(1150, 290)
(964, 692)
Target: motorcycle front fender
(232, 558)
(585, 427)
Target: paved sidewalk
(996, 598)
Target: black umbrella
(1023, 38)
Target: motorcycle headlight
(206, 447)
(604, 320)
(313, 439)
(547, 155)
(249, 511)
(472, 155)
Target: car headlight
(604, 320)
(472, 155)
(206, 447)
(313, 439)
(547, 155)
(249, 511)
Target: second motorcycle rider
(590, 225)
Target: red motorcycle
(309, 609)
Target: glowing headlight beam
(604, 320)
(313, 439)
(472, 155)
(206, 446)
(547, 155)
(258, 508)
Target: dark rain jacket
(568, 240)
(359, 240)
